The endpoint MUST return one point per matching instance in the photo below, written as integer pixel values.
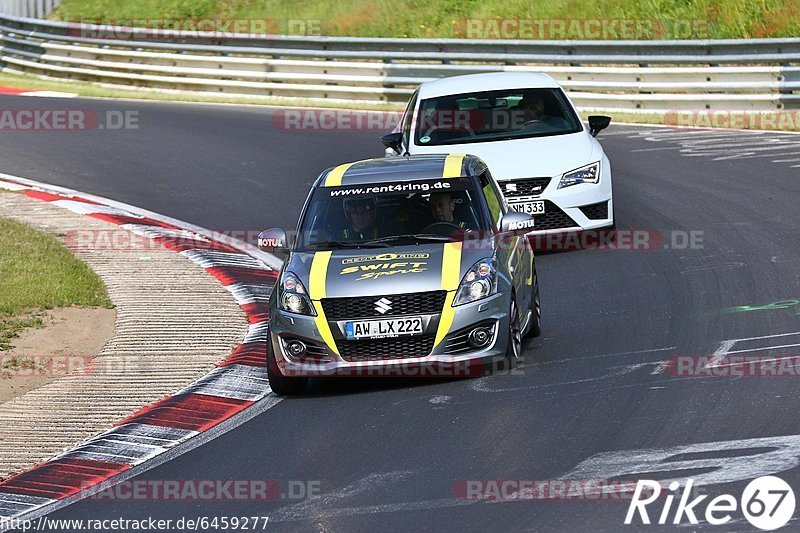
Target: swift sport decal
(378, 270)
(379, 266)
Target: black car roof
(405, 168)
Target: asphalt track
(388, 454)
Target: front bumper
(451, 357)
(585, 206)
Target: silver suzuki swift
(403, 266)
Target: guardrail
(655, 76)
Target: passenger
(361, 219)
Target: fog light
(295, 348)
(480, 337)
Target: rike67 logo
(767, 503)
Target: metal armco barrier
(636, 76)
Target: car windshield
(388, 214)
(494, 116)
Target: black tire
(514, 347)
(280, 384)
(535, 328)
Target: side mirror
(393, 141)
(598, 123)
(274, 241)
(516, 223)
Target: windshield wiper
(411, 237)
(344, 244)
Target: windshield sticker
(420, 186)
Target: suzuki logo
(511, 187)
(383, 306)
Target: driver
(532, 107)
(361, 219)
(443, 206)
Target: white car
(526, 129)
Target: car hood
(385, 271)
(533, 157)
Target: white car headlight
(293, 296)
(479, 282)
(587, 174)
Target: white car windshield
(494, 116)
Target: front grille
(596, 211)
(524, 187)
(553, 218)
(419, 303)
(385, 349)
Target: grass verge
(37, 272)
(557, 19)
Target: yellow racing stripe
(451, 277)
(452, 166)
(334, 177)
(316, 291)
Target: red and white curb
(15, 91)
(237, 384)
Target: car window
(493, 199)
(495, 116)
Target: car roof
(402, 168)
(490, 81)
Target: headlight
(587, 174)
(293, 296)
(478, 283)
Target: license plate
(377, 329)
(531, 208)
